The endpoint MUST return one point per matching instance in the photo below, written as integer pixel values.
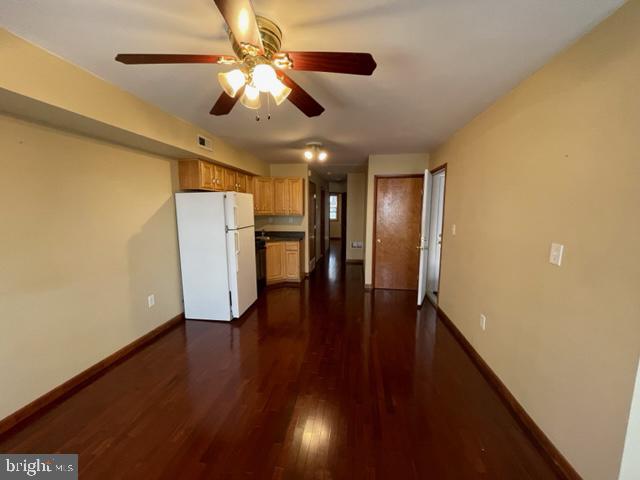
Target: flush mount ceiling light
(259, 65)
(314, 151)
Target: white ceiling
(440, 62)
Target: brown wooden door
(397, 232)
(312, 222)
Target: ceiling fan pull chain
(268, 107)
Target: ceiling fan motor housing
(271, 40)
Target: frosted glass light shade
(264, 77)
(231, 82)
(251, 97)
(279, 91)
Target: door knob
(379, 241)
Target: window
(333, 207)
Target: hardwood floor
(321, 382)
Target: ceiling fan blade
(300, 98)
(225, 103)
(157, 58)
(335, 62)
(241, 19)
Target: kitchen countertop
(281, 236)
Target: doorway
(397, 230)
(335, 216)
(312, 226)
(436, 222)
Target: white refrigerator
(217, 254)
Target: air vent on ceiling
(206, 143)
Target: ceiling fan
(260, 64)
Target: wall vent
(205, 143)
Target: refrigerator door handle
(235, 216)
(236, 236)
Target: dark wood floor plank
(327, 381)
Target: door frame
(323, 222)
(312, 204)
(375, 217)
(343, 223)
(435, 171)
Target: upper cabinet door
(280, 196)
(229, 180)
(206, 175)
(263, 195)
(250, 184)
(241, 182)
(295, 189)
(218, 178)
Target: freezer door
(203, 256)
(242, 269)
(239, 210)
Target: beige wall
(46, 78)
(386, 165)
(88, 233)
(356, 208)
(338, 187)
(556, 160)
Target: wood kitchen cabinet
(241, 182)
(218, 178)
(279, 196)
(201, 175)
(295, 188)
(263, 196)
(229, 180)
(196, 175)
(275, 262)
(284, 262)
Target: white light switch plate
(453, 230)
(151, 300)
(555, 256)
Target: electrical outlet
(555, 255)
(151, 300)
(483, 322)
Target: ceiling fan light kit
(260, 64)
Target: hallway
(325, 381)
